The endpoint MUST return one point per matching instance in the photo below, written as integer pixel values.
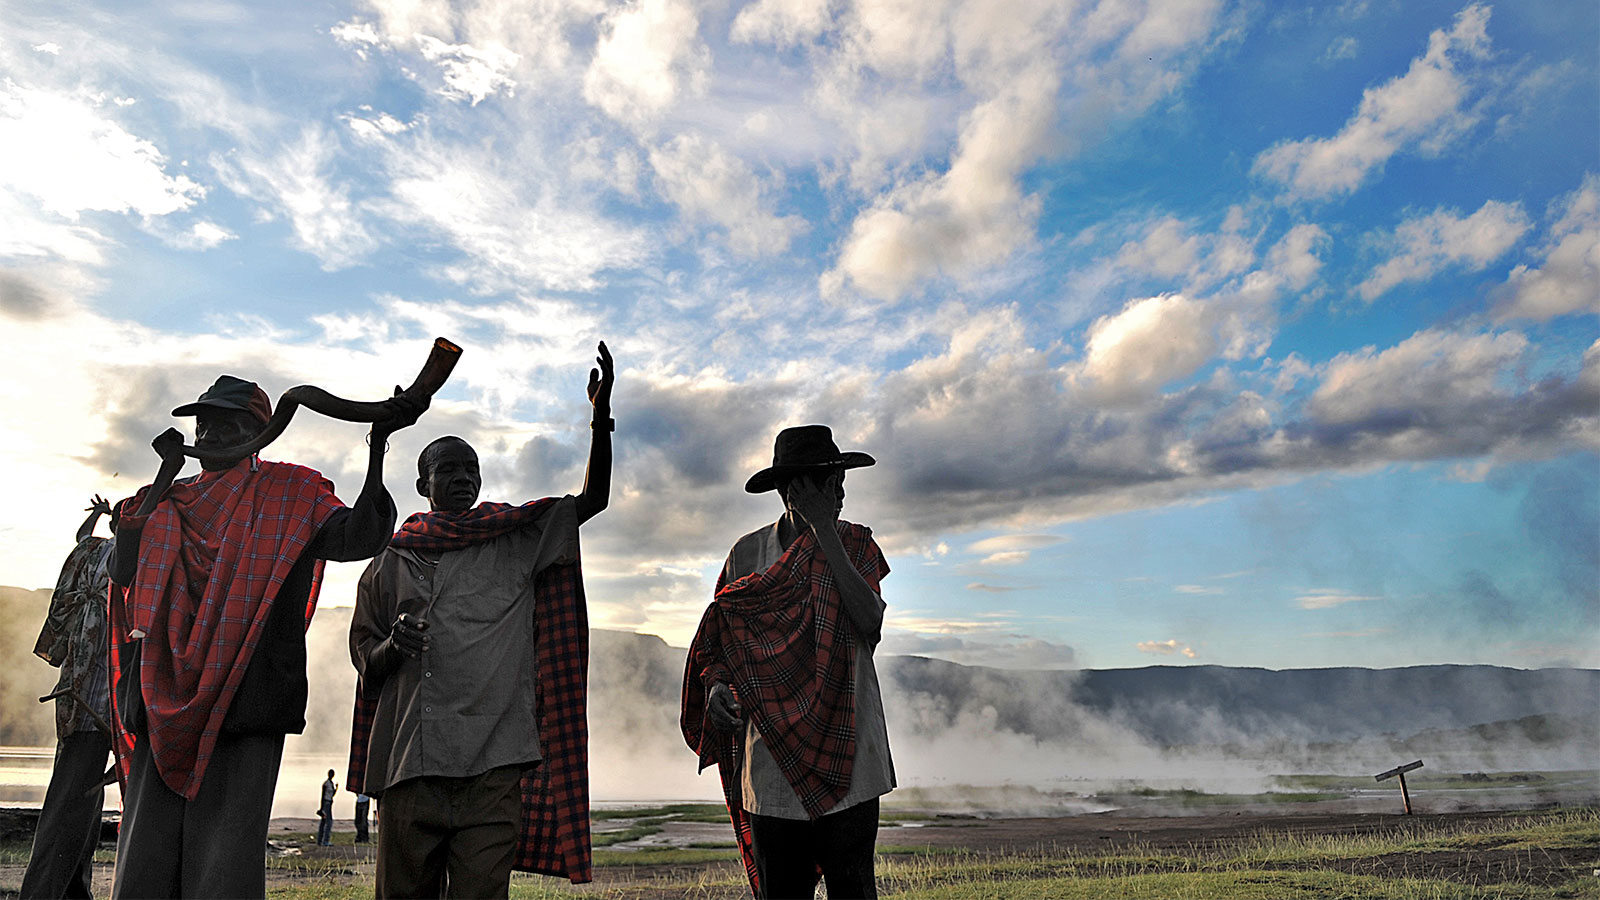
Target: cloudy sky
(1183, 332)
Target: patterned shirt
(74, 638)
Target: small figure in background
(325, 812)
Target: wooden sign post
(1401, 771)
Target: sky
(1184, 332)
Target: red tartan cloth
(554, 836)
(212, 557)
(780, 639)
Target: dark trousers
(211, 846)
(361, 820)
(62, 864)
(449, 837)
(789, 852)
(325, 826)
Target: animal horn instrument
(441, 360)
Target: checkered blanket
(213, 555)
(555, 794)
(780, 639)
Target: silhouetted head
(229, 413)
(447, 474)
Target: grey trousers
(69, 823)
(212, 846)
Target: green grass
(682, 812)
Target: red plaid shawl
(555, 793)
(212, 558)
(780, 639)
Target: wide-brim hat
(803, 450)
(228, 392)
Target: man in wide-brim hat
(780, 689)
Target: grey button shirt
(765, 791)
(467, 706)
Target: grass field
(1533, 855)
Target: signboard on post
(1400, 772)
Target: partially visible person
(471, 637)
(363, 818)
(325, 812)
(73, 639)
(221, 573)
(780, 690)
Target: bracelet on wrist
(385, 443)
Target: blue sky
(1186, 332)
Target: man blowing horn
(216, 578)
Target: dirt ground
(1084, 834)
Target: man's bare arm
(125, 561)
(596, 494)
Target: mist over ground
(1024, 739)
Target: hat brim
(193, 409)
(767, 479)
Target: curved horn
(441, 360)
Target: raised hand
(403, 412)
(169, 445)
(817, 503)
(99, 505)
(600, 382)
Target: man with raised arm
(780, 689)
(216, 578)
(471, 636)
(73, 639)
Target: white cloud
(1424, 109)
(1327, 598)
(1150, 343)
(1166, 648)
(49, 47)
(781, 22)
(471, 73)
(203, 235)
(1427, 244)
(63, 151)
(1198, 589)
(1418, 381)
(1012, 542)
(1567, 279)
(709, 184)
(1005, 558)
(297, 181)
(648, 54)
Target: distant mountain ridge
(636, 681)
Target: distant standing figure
(363, 813)
(325, 812)
(780, 689)
(74, 640)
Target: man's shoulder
(290, 473)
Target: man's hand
(402, 412)
(169, 445)
(100, 506)
(817, 503)
(723, 710)
(600, 382)
(410, 635)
